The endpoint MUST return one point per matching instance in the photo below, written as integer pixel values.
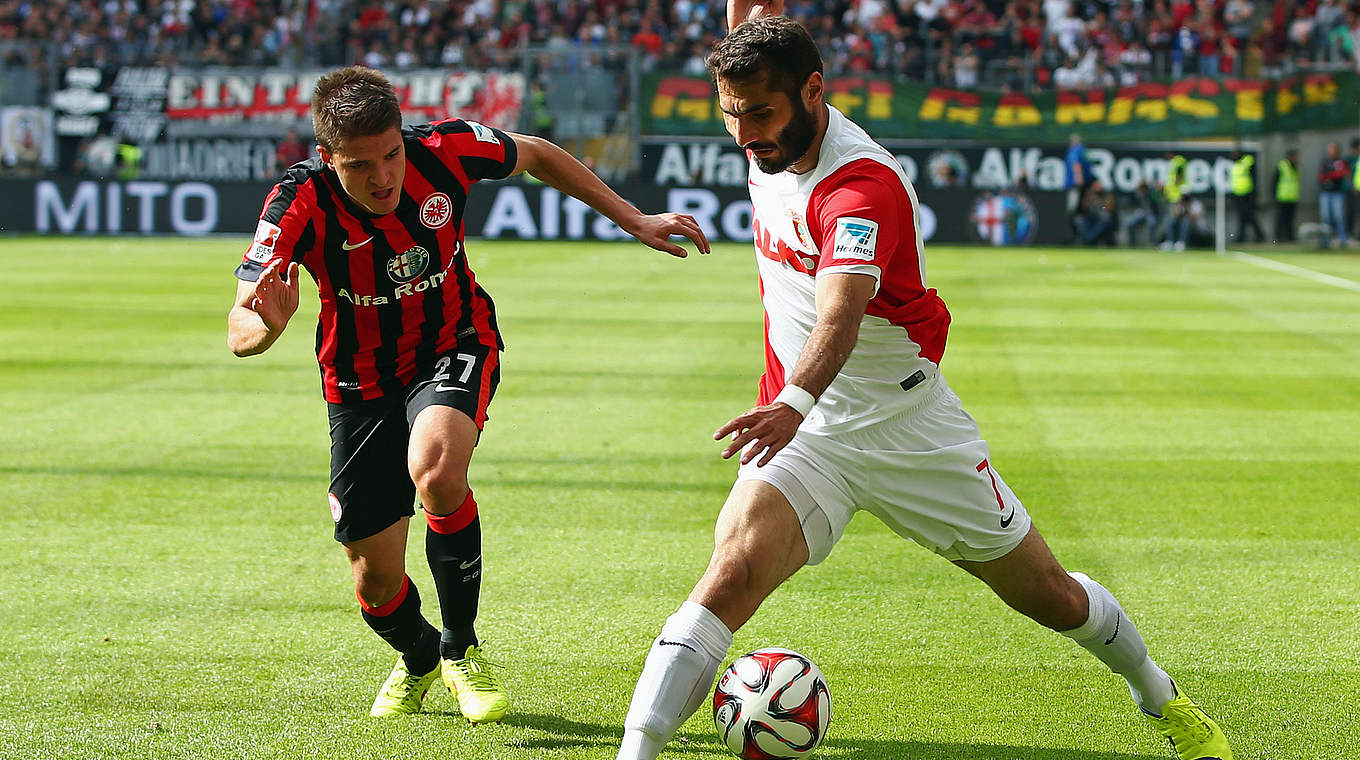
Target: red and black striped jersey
(396, 290)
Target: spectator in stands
(1069, 76)
(407, 57)
(1135, 63)
(1286, 195)
(1339, 45)
(967, 66)
(1183, 50)
(1031, 39)
(1070, 33)
(1238, 16)
(291, 150)
(1301, 33)
(1334, 178)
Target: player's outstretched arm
(745, 10)
(558, 168)
(262, 310)
(841, 301)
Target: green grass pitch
(1184, 428)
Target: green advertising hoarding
(1199, 107)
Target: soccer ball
(772, 703)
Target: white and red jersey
(856, 212)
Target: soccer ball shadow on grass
(567, 733)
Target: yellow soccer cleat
(1192, 733)
(481, 697)
(403, 693)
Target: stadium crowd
(1016, 44)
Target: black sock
(456, 563)
(406, 629)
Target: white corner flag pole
(1220, 220)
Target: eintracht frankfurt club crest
(436, 210)
(408, 265)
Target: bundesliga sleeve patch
(483, 133)
(856, 238)
(266, 237)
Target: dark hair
(353, 102)
(776, 47)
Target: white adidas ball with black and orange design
(772, 704)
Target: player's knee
(735, 575)
(1057, 602)
(378, 587)
(442, 488)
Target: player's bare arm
(262, 310)
(841, 301)
(559, 169)
(743, 10)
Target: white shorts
(926, 474)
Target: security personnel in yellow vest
(1286, 195)
(1177, 228)
(1244, 195)
(129, 161)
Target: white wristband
(796, 397)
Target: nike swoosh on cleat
(345, 245)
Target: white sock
(1112, 638)
(675, 679)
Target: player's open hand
(768, 428)
(746, 10)
(276, 298)
(656, 230)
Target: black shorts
(371, 486)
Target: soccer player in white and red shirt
(853, 412)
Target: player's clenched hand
(771, 427)
(656, 230)
(276, 298)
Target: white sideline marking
(1315, 276)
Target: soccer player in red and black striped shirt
(408, 346)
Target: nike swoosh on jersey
(346, 246)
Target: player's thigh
(758, 522)
(370, 488)
(464, 378)
(930, 478)
(812, 474)
(446, 410)
(442, 440)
